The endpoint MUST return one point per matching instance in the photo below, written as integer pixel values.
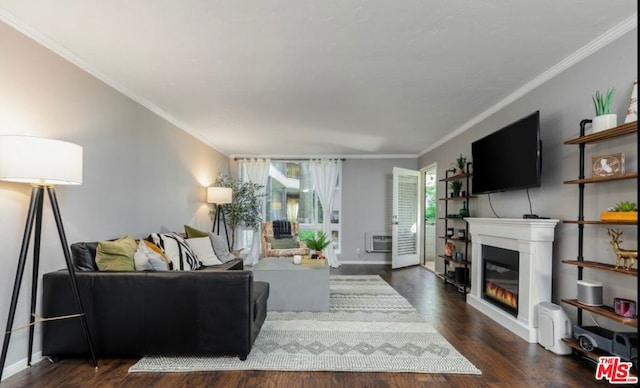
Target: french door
(404, 245)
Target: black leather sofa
(214, 311)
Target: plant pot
(619, 216)
(600, 123)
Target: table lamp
(43, 163)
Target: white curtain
(325, 177)
(256, 171)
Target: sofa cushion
(177, 250)
(84, 255)
(232, 265)
(116, 255)
(156, 249)
(221, 248)
(146, 259)
(203, 249)
(193, 232)
(282, 243)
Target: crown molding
(332, 156)
(616, 32)
(70, 56)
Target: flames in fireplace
(501, 294)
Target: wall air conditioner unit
(378, 242)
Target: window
(291, 196)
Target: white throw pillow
(146, 259)
(203, 249)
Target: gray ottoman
(294, 287)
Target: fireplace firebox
(500, 274)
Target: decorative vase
(464, 212)
(600, 123)
(449, 249)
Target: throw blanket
(281, 229)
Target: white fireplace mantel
(533, 239)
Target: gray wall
(366, 204)
(141, 173)
(563, 101)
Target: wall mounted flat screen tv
(509, 158)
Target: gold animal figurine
(624, 254)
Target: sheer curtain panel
(325, 177)
(256, 171)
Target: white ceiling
(324, 77)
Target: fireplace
(516, 255)
(500, 273)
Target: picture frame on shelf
(605, 166)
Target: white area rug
(369, 328)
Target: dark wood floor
(504, 359)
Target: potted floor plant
(317, 243)
(245, 209)
(604, 118)
(622, 211)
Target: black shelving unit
(598, 265)
(452, 219)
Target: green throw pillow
(282, 243)
(116, 255)
(193, 232)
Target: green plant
(317, 242)
(461, 161)
(603, 102)
(624, 206)
(245, 208)
(430, 207)
(455, 186)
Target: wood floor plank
(504, 359)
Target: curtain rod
(285, 159)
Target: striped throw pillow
(177, 250)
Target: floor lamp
(220, 196)
(43, 163)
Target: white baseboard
(365, 262)
(21, 365)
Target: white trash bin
(553, 325)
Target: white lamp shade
(219, 195)
(40, 161)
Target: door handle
(394, 220)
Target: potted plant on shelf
(604, 119)
(455, 186)
(622, 211)
(317, 243)
(460, 164)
